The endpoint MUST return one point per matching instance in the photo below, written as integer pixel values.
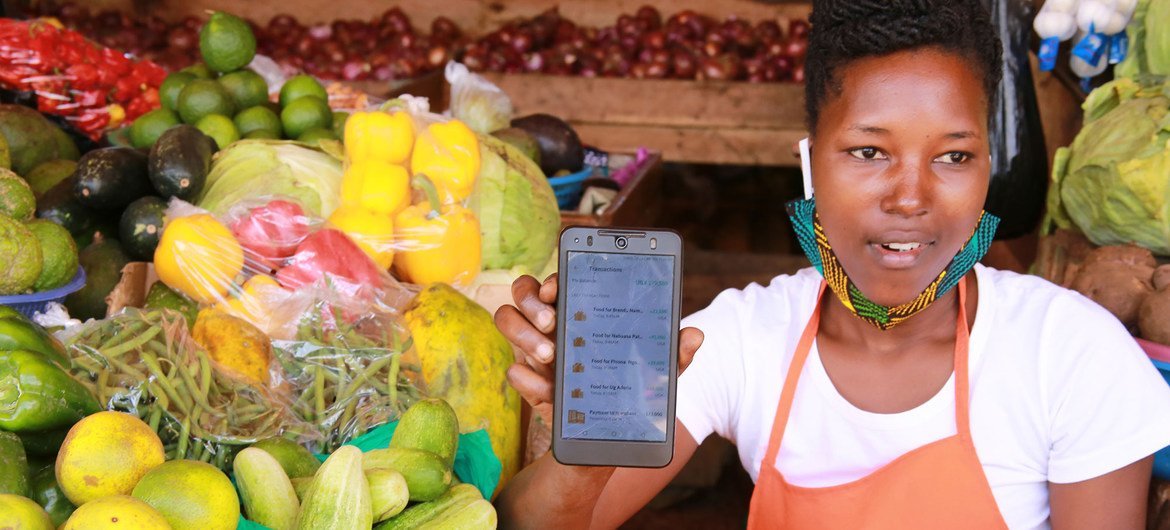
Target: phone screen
(617, 327)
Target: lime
(58, 252)
(191, 495)
(168, 91)
(20, 257)
(226, 42)
(300, 86)
(220, 128)
(303, 114)
(258, 118)
(202, 97)
(247, 88)
(148, 127)
(317, 133)
(200, 71)
(339, 118)
(261, 134)
(16, 197)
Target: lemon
(258, 118)
(203, 97)
(17, 199)
(226, 42)
(299, 86)
(148, 127)
(220, 128)
(104, 455)
(22, 514)
(168, 91)
(199, 257)
(373, 232)
(58, 253)
(116, 512)
(20, 257)
(309, 112)
(191, 495)
(247, 88)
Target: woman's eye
(953, 157)
(867, 153)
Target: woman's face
(901, 166)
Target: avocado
(61, 206)
(48, 174)
(141, 227)
(179, 162)
(560, 148)
(111, 177)
(31, 138)
(522, 140)
(103, 261)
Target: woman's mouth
(899, 253)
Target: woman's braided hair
(846, 30)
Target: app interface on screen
(617, 347)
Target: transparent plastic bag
(93, 88)
(476, 101)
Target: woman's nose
(908, 190)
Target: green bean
(184, 432)
(205, 374)
(188, 381)
(221, 458)
(152, 363)
(393, 378)
(129, 329)
(127, 369)
(373, 368)
(155, 416)
(319, 391)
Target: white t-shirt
(1059, 392)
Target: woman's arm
(1116, 500)
(548, 494)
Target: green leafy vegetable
(251, 169)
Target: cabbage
(517, 210)
(1113, 182)
(254, 169)
(1149, 42)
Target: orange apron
(938, 485)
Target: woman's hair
(846, 30)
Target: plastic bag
(476, 101)
(1019, 168)
(93, 88)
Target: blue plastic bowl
(1162, 458)
(29, 304)
(568, 188)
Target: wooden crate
(638, 204)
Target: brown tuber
(1119, 278)
(1154, 316)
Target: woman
(915, 389)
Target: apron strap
(962, 382)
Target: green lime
(258, 118)
(339, 118)
(168, 91)
(318, 133)
(300, 86)
(199, 70)
(226, 42)
(261, 134)
(58, 253)
(304, 114)
(202, 97)
(247, 88)
(220, 128)
(20, 257)
(148, 127)
(16, 197)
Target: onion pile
(686, 45)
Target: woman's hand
(531, 326)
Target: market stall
(254, 249)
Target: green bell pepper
(43, 443)
(17, 332)
(43, 489)
(36, 395)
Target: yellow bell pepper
(448, 154)
(372, 232)
(437, 244)
(379, 136)
(375, 185)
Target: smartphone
(617, 343)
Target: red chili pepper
(92, 121)
(125, 89)
(150, 73)
(116, 61)
(17, 76)
(83, 76)
(94, 97)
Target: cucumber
(141, 227)
(339, 497)
(427, 474)
(430, 425)
(60, 206)
(111, 177)
(458, 495)
(301, 486)
(296, 460)
(14, 479)
(388, 493)
(478, 514)
(267, 493)
(179, 162)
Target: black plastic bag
(1019, 159)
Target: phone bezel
(605, 452)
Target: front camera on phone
(620, 242)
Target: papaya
(464, 360)
(236, 346)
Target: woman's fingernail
(544, 351)
(544, 318)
